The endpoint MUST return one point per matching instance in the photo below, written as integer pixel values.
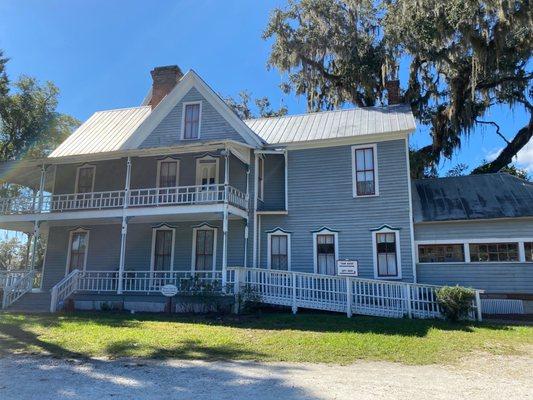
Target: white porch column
(225, 221)
(124, 229)
(256, 184)
(36, 233)
(41, 187)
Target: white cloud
(524, 158)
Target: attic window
(191, 120)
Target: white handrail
(346, 294)
(63, 289)
(18, 288)
(7, 278)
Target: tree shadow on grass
(183, 350)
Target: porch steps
(32, 302)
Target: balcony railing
(168, 196)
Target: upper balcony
(135, 198)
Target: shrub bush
(455, 301)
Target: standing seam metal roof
(333, 124)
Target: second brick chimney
(164, 79)
(393, 91)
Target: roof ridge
(121, 109)
(329, 112)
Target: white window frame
(184, 106)
(374, 148)
(152, 256)
(164, 160)
(78, 176)
(217, 166)
(325, 231)
(278, 232)
(467, 242)
(204, 227)
(71, 233)
(261, 179)
(387, 229)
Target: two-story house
(182, 185)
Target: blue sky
(99, 53)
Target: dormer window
(191, 120)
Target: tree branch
(498, 132)
(506, 156)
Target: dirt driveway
(483, 377)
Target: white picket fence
(294, 289)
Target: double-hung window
(191, 121)
(79, 241)
(85, 179)
(325, 252)
(364, 170)
(386, 242)
(168, 173)
(162, 251)
(279, 250)
(204, 249)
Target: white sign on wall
(169, 290)
(347, 268)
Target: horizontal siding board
(212, 126)
(504, 228)
(320, 194)
(494, 278)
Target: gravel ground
(483, 377)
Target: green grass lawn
(306, 337)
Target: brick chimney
(393, 91)
(164, 80)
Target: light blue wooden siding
(103, 254)
(212, 125)
(104, 247)
(495, 278)
(320, 194)
(111, 174)
(505, 228)
(274, 185)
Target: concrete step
(32, 302)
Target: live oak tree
(30, 126)
(463, 58)
(243, 109)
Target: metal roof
(333, 124)
(104, 131)
(472, 197)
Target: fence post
(348, 297)
(53, 300)
(478, 306)
(294, 286)
(237, 290)
(408, 301)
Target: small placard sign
(169, 290)
(347, 268)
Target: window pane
(163, 250)
(326, 254)
(85, 180)
(528, 247)
(360, 160)
(369, 159)
(78, 249)
(441, 253)
(167, 173)
(386, 254)
(494, 252)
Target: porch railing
(179, 195)
(18, 288)
(7, 278)
(293, 289)
(345, 294)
